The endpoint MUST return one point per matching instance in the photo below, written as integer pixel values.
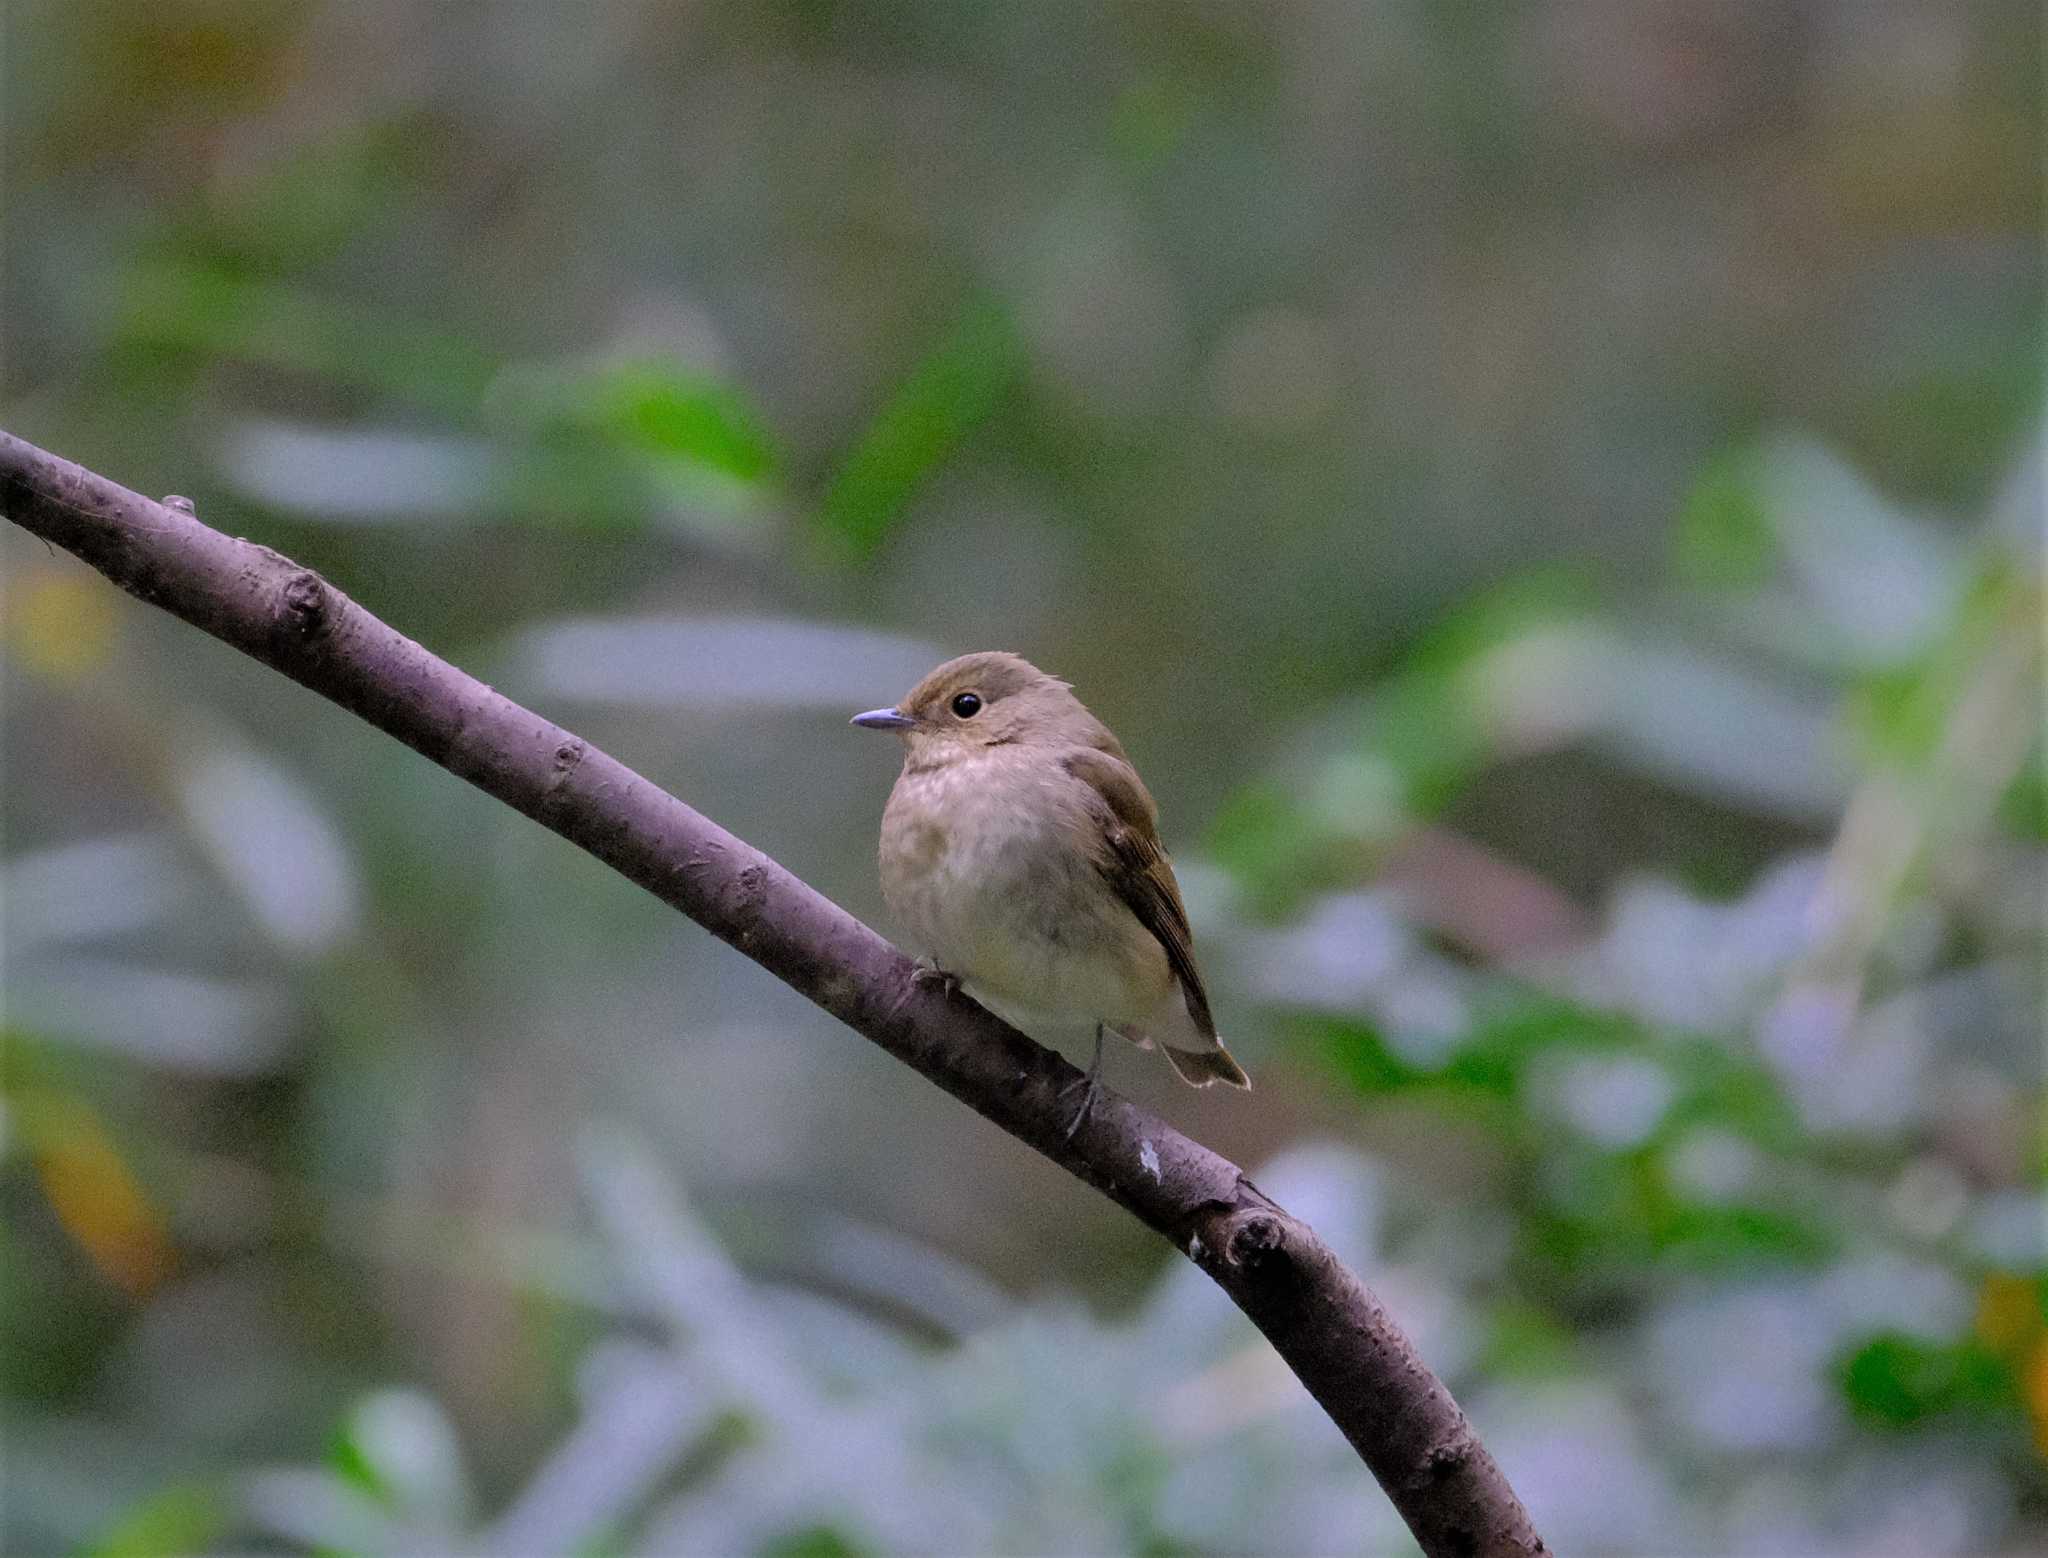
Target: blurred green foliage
(1899, 1381)
(938, 403)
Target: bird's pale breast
(981, 861)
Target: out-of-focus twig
(1900, 816)
(1333, 1333)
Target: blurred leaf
(820, 1541)
(1599, 1207)
(333, 1516)
(214, 311)
(1903, 711)
(91, 889)
(2012, 1310)
(2023, 809)
(400, 1446)
(1359, 1053)
(1422, 727)
(1263, 837)
(1716, 727)
(1496, 1056)
(1897, 1381)
(360, 473)
(348, 1459)
(1879, 581)
(271, 839)
(1940, 432)
(617, 443)
(1523, 1339)
(956, 385)
(1151, 118)
(1721, 1087)
(1602, 1218)
(1432, 721)
(185, 1518)
(1724, 536)
(305, 205)
(649, 406)
(1485, 1071)
(175, 1020)
(94, 1193)
(61, 623)
(564, 479)
(1539, 600)
(1717, 1239)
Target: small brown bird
(1021, 852)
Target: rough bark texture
(1331, 1330)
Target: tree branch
(1331, 1330)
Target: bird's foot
(929, 973)
(1091, 1088)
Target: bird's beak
(883, 719)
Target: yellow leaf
(62, 624)
(97, 1199)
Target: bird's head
(984, 700)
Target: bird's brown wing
(1135, 865)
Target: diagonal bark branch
(1333, 1333)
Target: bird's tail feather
(1200, 1067)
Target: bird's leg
(1094, 1086)
(929, 973)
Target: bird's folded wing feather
(1136, 866)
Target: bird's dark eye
(966, 705)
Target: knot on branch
(568, 757)
(306, 614)
(744, 900)
(1448, 1460)
(1258, 1244)
(1461, 1541)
